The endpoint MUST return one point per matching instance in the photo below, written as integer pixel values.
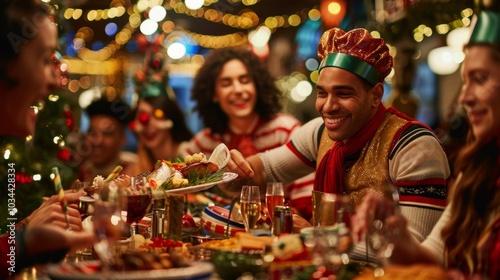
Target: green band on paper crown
(353, 65)
(487, 28)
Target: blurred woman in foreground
(466, 239)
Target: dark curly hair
(174, 113)
(18, 20)
(203, 92)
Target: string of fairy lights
(150, 18)
(92, 63)
(245, 21)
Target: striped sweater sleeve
(296, 158)
(419, 167)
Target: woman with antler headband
(159, 122)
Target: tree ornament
(22, 178)
(69, 124)
(156, 64)
(64, 154)
(68, 114)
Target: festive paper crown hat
(357, 52)
(487, 28)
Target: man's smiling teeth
(336, 120)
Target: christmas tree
(33, 158)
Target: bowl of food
(234, 264)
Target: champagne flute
(381, 233)
(274, 196)
(250, 206)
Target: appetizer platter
(194, 173)
(226, 177)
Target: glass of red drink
(139, 199)
(275, 196)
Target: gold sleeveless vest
(371, 169)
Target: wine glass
(139, 199)
(107, 223)
(85, 201)
(250, 206)
(332, 229)
(380, 232)
(274, 196)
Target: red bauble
(22, 178)
(64, 154)
(155, 64)
(68, 114)
(69, 124)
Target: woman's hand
(50, 212)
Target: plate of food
(91, 270)
(226, 177)
(195, 173)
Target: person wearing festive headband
(238, 101)
(357, 145)
(466, 238)
(28, 72)
(159, 122)
(108, 121)
(160, 126)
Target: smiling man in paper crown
(358, 145)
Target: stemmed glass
(107, 223)
(274, 196)
(332, 228)
(380, 232)
(139, 199)
(85, 201)
(250, 206)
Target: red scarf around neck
(329, 174)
